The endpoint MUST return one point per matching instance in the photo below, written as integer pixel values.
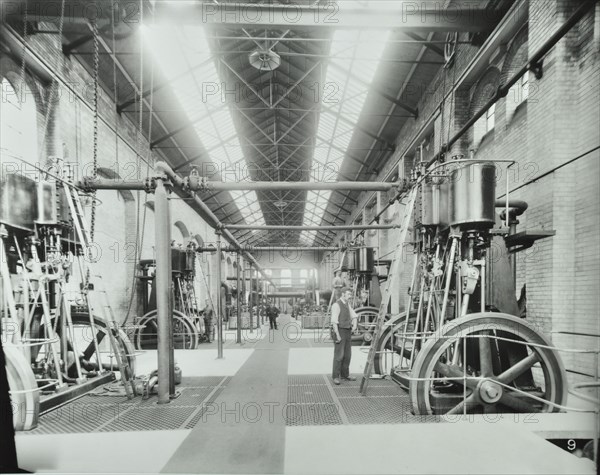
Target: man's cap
(346, 289)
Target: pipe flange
(195, 182)
(86, 184)
(150, 184)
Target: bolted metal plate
(192, 397)
(202, 381)
(388, 410)
(304, 379)
(316, 414)
(309, 394)
(197, 417)
(104, 412)
(77, 418)
(164, 417)
(372, 391)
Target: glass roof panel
(177, 51)
(350, 71)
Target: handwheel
(185, 335)
(476, 345)
(24, 393)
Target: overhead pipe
(205, 185)
(532, 64)
(179, 184)
(353, 227)
(503, 90)
(270, 248)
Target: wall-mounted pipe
(535, 58)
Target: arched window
(516, 57)
(18, 126)
(286, 278)
(180, 233)
(148, 238)
(484, 91)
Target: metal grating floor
(106, 413)
(315, 400)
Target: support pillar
(162, 231)
(219, 308)
(238, 333)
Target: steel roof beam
(411, 17)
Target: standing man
(343, 321)
(209, 317)
(272, 312)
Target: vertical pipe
(250, 300)
(219, 302)
(163, 280)
(171, 297)
(238, 333)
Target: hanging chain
(94, 25)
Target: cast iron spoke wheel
(487, 363)
(23, 387)
(86, 347)
(185, 333)
(366, 322)
(389, 346)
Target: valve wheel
(501, 376)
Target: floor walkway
(270, 407)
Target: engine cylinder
(430, 204)
(349, 264)
(444, 205)
(366, 259)
(472, 195)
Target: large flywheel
(24, 392)
(487, 363)
(185, 333)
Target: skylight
(349, 78)
(177, 50)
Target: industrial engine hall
(300, 236)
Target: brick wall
(559, 122)
(65, 129)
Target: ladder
(390, 285)
(83, 235)
(119, 350)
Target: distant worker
(272, 313)
(343, 322)
(337, 285)
(209, 317)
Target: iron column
(162, 231)
(219, 303)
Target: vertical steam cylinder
(349, 263)
(366, 260)
(444, 205)
(430, 204)
(472, 195)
